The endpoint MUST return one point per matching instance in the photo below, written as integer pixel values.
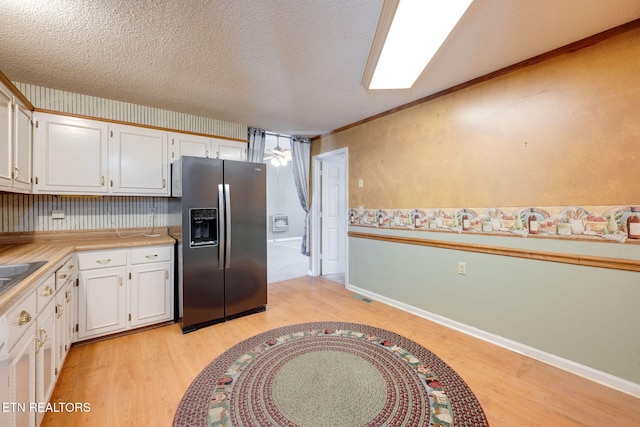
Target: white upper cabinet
(188, 145)
(15, 143)
(70, 155)
(201, 146)
(138, 161)
(73, 155)
(229, 150)
(6, 101)
(22, 143)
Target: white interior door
(333, 216)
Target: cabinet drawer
(101, 259)
(150, 254)
(21, 317)
(66, 273)
(45, 292)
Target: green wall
(586, 315)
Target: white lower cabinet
(117, 290)
(65, 320)
(32, 359)
(46, 367)
(102, 302)
(121, 289)
(22, 380)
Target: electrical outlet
(462, 268)
(57, 214)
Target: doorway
(329, 255)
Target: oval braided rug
(328, 374)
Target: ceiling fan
(279, 156)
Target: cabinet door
(22, 379)
(70, 318)
(64, 323)
(5, 138)
(138, 161)
(229, 150)
(46, 369)
(101, 302)
(188, 145)
(151, 291)
(70, 155)
(22, 148)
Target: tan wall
(563, 132)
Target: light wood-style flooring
(139, 379)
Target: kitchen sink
(12, 274)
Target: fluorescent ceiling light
(408, 35)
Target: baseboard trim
(570, 366)
(284, 239)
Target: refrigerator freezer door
(246, 276)
(203, 282)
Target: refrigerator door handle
(221, 228)
(227, 215)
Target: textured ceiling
(289, 66)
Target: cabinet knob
(23, 318)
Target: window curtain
(255, 151)
(301, 160)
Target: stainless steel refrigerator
(217, 214)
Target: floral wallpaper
(606, 222)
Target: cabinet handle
(41, 341)
(102, 181)
(47, 292)
(67, 295)
(164, 183)
(63, 276)
(120, 279)
(103, 261)
(71, 267)
(59, 310)
(111, 182)
(17, 172)
(151, 256)
(173, 155)
(23, 318)
(166, 273)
